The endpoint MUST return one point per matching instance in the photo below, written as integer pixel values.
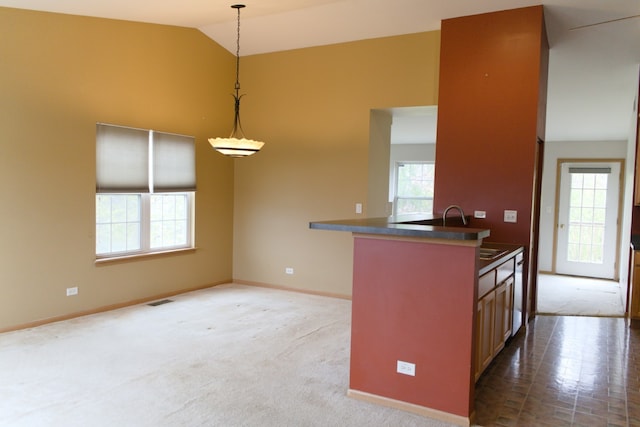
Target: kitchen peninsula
(414, 308)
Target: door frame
(560, 162)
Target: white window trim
(179, 180)
(145, 230)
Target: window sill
(139, 257)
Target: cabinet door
(478, 359)
(507, 326)
(501, 306)
(504, 314)
(487, 329)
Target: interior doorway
(584, 279)
(560, 290)
(398, 135)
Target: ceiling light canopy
(236, 145)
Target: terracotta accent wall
(488, 117)
(415, 301)
(635, 220)
(312, 107)
(59, 75)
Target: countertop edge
(390, 227)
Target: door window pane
(587, 210)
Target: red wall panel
(488, 121)
(415, 302)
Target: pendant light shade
(236, 145)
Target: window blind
(132, 160)
(589, 170)
(122, 159)
(173, 163)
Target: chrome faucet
(446, 211)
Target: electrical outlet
(72, 291)
(480, 214)
(358, 208)
(406, 368)
(288, 270)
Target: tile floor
(566, 371)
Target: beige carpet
(567, 295)
(226, 356)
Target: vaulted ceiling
(594, 56)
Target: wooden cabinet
(504, 313)
(498, 335)
(485, 330)
(494, 316)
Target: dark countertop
(407, 226)
(424, 226)
(635, 242)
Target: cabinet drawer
(505, 270)
(486, 283)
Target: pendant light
(236, 145)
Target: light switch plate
(510, 216)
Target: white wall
(580, 150)
(379, 173)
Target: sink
(490, 253)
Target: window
(145, 184)
(414, 188)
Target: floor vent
(157, 303)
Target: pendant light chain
(238, 54)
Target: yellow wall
(61, 74)
(312, 107)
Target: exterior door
(587, 227)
